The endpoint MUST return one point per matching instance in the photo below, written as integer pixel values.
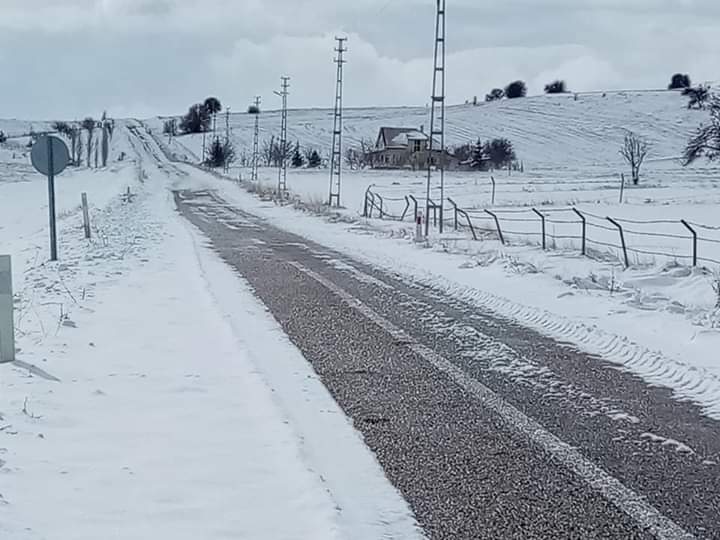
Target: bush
(495, 94)
(170, 127)
(197, 120)
(706, 141)
(253, 109)
(516, 89)
(3, 137)
(555, 87)
(220, 154)
(698, 96)
(314, 160)
(499, 152)
(297, 158)
(679, 81)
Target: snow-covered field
(147, 405)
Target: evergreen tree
(297, 158)
(314, 160)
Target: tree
(463, 152)
(253, 109)
(3, 137)
(679, 81)
(495, 94)
(698, 96)
(197, 120)
(89, 125)
(556, 87)
(72, 133)
(499, 152)
(170, 127)
(314, 161)
(220, 154)
(106, 125)
(297, 157)
(634, 150)
(516, 89)
(213, 106)
(706, 141)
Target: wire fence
(632, 241)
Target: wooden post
(86, 215)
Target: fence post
(382, 212)
(7, 329)
(622, 187)
(455, 212)
(365, 206)
(584, 230)
(469, 221)
(407, 207)
(542, 217)
(622, 240)
(695, 241)
(414, 200)
(492, 179)
(497, 224)
(86, 215)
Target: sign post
(50, 156)
(7, 330)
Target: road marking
(637, 507)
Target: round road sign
(40, 154)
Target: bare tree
(89, 125)
(634, 150)
(706, 141)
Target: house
(406, 148)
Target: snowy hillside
(546, 130)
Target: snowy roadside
(182, 410)
(630, 318)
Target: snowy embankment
(164, 402)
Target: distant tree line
(273, 154)
(84, 142)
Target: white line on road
(637, 507)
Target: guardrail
(569, 228)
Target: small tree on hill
(697, 97)
(706, 141)
(556, 87)
(170, 127)
(478, 158)
(516, 89)
(196, 120)
(679, 81)
(314, 161)
(220, 154)
(3, 137)
(495, 94)
(297, 157)
(213, 107)
(253, 109)
(634, 150)
(499, 152)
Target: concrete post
(7, 327)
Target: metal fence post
(695, 241)
(469, 222)
(382, 212)
(414, 200)
(497, 224)
(455, 212)
(622, 240)
(407, 207)
(584, 230)
(492, 179)
(7, 328)
(542, 217)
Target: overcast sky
(73, 58)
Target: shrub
(253, 109)
(679, 81)
(499, 152)
(706, 141)
(220, 154)
(556, 87)
(516, 89)
(297, 158)
(698, 96)
(3, 137)
(495, 94)
(197, 120)
(314, 160)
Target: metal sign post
(50, 156)
(7, 330)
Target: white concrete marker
(635, 506)
(7, 327)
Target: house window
(417, 146)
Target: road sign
(40, 155)
(50, 156)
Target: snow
(178, 413)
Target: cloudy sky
(72, 58)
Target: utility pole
(336, 154)
(226, 165)
(282, 169)
(256, 141)
(437, 119)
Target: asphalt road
(488, 429)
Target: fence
(568, 228)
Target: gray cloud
(70, 58)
